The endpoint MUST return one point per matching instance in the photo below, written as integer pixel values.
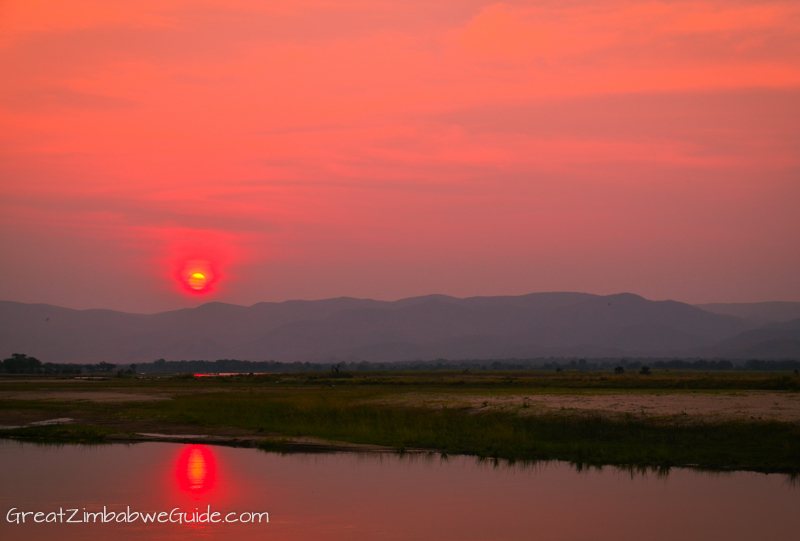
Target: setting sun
(197, 281)
(197, 276)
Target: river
(369, 497)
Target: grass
(55, 434)
(579, 438)
(356, 410)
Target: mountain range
(428, 327)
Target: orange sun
(197, 281)
(198, 276)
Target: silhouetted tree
(19, 363)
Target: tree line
(238, 366)
(20, 363)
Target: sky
(387, 149)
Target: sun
(197, 277)
(197, 281)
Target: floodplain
(725, 420)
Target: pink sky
(385, 149)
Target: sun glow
(197, 276)
(197, 281)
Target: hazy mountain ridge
(429, 327)
(771, 341)
(757, 312)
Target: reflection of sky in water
(364, 497)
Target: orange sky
(385, 149)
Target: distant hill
(757, 312)
(429, 327)
(771, 341)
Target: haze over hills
(771, 341)
(429, 327)
(757, 312)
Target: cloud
(635, 33)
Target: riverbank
(517, 418)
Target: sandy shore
(778, 406)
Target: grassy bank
(360, 410)
(59, 434)
(586, 438)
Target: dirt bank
(743, 405)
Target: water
(354, 497)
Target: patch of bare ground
(699, 406)
(10, 417)
(137, 431)
(81, 396)
(275, 441)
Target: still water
(355, 497)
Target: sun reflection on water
(196, 470)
